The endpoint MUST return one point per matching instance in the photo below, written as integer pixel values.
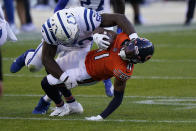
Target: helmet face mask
(137, 51)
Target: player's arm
(48, 60)
(118, 6)
(119, 87)
(121, 20)
(61, 5)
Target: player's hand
(101, 40)
(94, 118)
(70, 83)
(68, 80)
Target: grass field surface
(161, 95)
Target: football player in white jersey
(65, 31)
(98, 5)
(101, 6)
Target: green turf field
(161, 96)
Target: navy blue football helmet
(136, 51)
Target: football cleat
(109, 88)
(61, 111)
(19, 62)
(42, 107)
(75, 107)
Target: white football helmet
(61, 28)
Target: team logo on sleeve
(118, 73)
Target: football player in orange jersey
(118, 61)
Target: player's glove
(94, 118)
(69, 81)
(101, 40)
(133, 36)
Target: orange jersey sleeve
(104, 64)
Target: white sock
(46, 98)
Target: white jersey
(87, 21)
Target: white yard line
(95, 96)
(182, 103)
(133, 77)
(109, 120)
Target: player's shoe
(75, 107)
(109, 88)
(19, 62)
(61, 111)
(42, 107)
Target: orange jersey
(104, 64)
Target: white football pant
(33, 60)
(74, 64)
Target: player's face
(132, 52)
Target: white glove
(99, 40)
(94, 118)
(70, 83)
(68, 80)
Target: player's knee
(32, 64)
(44, 83)
(33, 68)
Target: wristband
(64, 77)
(133, 36)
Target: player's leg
(74, 106)
(109, 88)
(61, 108)
(74, 64)
(66, 61)
(44, 102)
(190, 11)
(31, 58)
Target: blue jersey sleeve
(60, 5)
